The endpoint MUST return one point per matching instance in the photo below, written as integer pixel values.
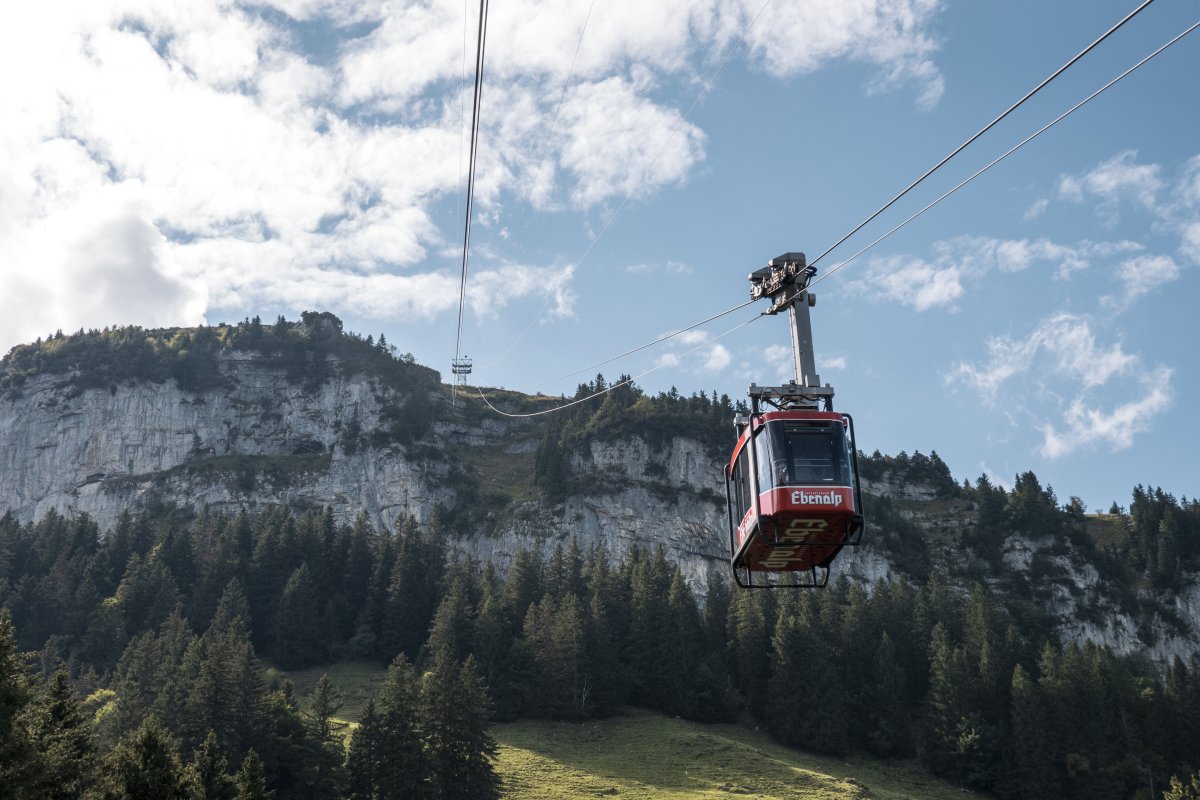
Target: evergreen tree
(365, 757)
(1178, 790)
(750, 642)
(251, 780)
(1033, 763)
(62, 736)
(453, 627)
(326, 701)
(298, 638)
(145, 763)
(207, 772)
(398, 761)
(454, 711)
(16, 747)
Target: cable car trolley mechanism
(792, 483)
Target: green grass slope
(645, 755)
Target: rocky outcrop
(263, 438)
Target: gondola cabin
(793, 496)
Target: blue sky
(173, 163)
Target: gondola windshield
(804, 453)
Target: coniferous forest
(133, 664)
(147, 660)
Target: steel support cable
(984, 129)
(979, 172)
(659, 340)
(670, 137)
(480, 45)
(618, 385)
(1013, 149)
(537, 163)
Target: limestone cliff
(260, 432)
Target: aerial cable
(537, 163)
(625, 382)
(1011, 150)
(984, 129)
(659, 340)
(842, 264)
(480, 43)
(462, 100)
(670, 137)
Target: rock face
(265, 439)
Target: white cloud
(912, 282)
(1140, 275)
(1062, 352)
(620, 144)
(1108, 182)
(668, 267)
(99, 262)
(1087, 425)
(1068, 346)
(1036, 210)
(250, 169)
(893, 35)
(965, 260)
(1190, 246)
(718, 358)
(778, 359)
(831, 362)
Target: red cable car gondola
(793, 497)
(792, 483)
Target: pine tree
(298, 639)
(1178, 790)
(17, 753)
(454, 712)
(400, 766)
(326, 701)
(1033, 774)
(62, 736)
(145, 763)
(750, 643)
(207, 772)
(365, 756)
(453, 627)
(251, 780)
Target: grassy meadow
(644, 755)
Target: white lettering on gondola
(827, 498)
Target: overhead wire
(480, 46)
(619, 384)
(984, 129)
(1012, 150)
(891, 232)
(659, 340)
(666, 142)
(537, 163)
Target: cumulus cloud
(1036, 209)
(831, 362)
(1118, 177)
(780, 362)
(1063, 351)
(1139, 276)
(668, 267)
(960, 262)
(99, 262)
(689, 348)
(1085, 424)
(294, 150)
(1066, 341)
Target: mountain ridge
(305, 415)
